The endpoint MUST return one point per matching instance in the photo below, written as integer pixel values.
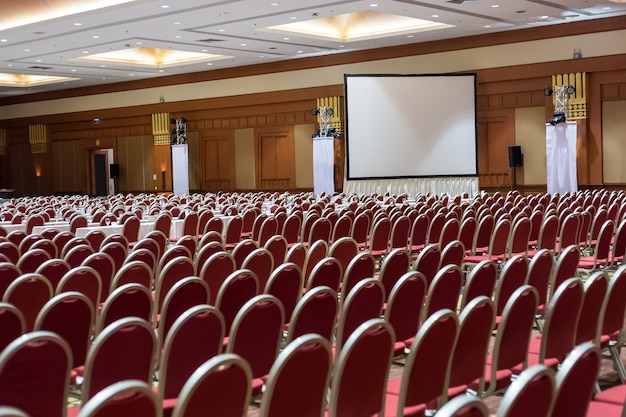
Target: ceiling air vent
(39, 67)
(211, 40)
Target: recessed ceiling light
(244, 44)
(495, 5)
(606, 8)
(161, 70)
(543, 17)
(103, 66)
(204, 50)
(73, 70)
(78, 24)
(38, 60)
(221, 30)
(293, 18)
(300, 52)
(285, 39)
(4, 40)
(487, 26)
(96, 37)
(435, 15)
(261, 56)
(209, 63)
(138, 43)
(26, 50)
(165, 6)
(85, 52)
(374, 5)
(177, 36)
(131, 74)
(177, 23)
(9, 65)
(409, 36)
(274, 4)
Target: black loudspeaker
(515, 156)
(114, 170)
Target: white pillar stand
(180, 169)
(323, 165)
(561, 158)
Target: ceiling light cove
(25, 12)
(26, 80)
(357, 26)
(151, 57)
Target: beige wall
(530, 134)
(613, 141)
(304, 155)
(244, 159)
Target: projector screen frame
(471, 75)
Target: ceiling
(89, 42)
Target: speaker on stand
(516, 159)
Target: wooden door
(493, 152)
(275, 159)
(218, 164)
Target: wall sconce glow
(25, 13)
(26, 80)
(151, 57)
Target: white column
(561, 158)
(323, 165)
(180, 169)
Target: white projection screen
(410, 126)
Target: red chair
(277, 245)
(109, 359)
(260, 262)
(129, 300)
(32, 259)
(46, 245)
(12, 323)
(394, 266)
(95, 239)
(531, 394)
(232, 234)
(130, 230)
(35, 374)
(175, 270)
(255, 336)
(591, 310)
(286, 283)
(122, 399)
(444, 291)
(29, 293)
(512, 277)
(419, 234)
(404, 309)
(71, 315)
(430, 354)
(77, 255)
(327, 272)
(195, 337)
(361, 370)
(316, 312)
(11, 251)
(221, 384)
(298, 380)
(539, 276)
(463, 406)
(427, 262)
(236, 290)
(315, 253)
(242, 250)
(84, 280)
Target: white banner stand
(180, 169)
(323, 165)
(561, 158)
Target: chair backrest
(513, 337)
(172, 272)
(361, 370)
(277, 245)
(404, 306)
(117, 251)
(316, 252)
(615, 305)
(221, 385)
(12, 324)
(261, 262)
(400, 233)
(561, 320)
(469, 357)
(185, 294)
(110, 360)
(431, 354)
(242, 250)
(35, 374)
(591, 310)
(548, 232)
(286, 283)
(364, 302)
(576, 380)
(256, 332)
(540, 273)
(129, 300)
(344, 249)
(316, 312)
(394, 266)
(427, 262)
(480, 281)
(531, 394)
(6, 411)
(83, 279)
(444, 291)
(237, 289)
(195, 336)
(190, 242)
(104, 265)
(123, 399)
(32, 259)
(71, 315)
(130, 229)
(29, 293)
(512, 277)
(291, 229)
(215, 270)
(566, 265)
(298, 380)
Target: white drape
(561, 158)
(180, 169)
(414, 186)
(323, 165)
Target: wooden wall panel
(275, 159)
(135, 156)
(22, 171)
(68, 166)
